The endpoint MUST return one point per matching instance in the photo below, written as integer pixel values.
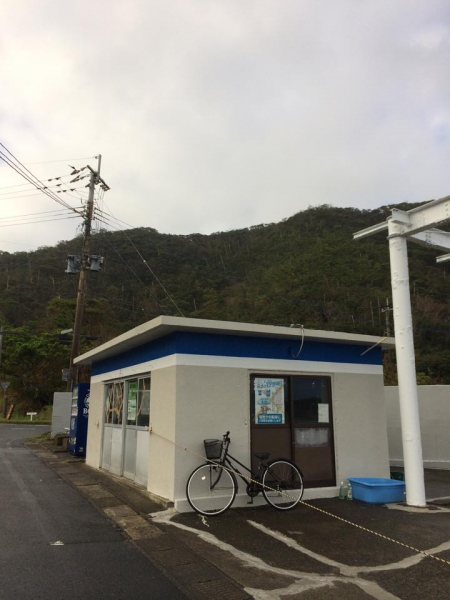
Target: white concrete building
(316, 397)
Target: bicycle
(212, 487)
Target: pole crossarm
(370, 230)
(432, 238)
(443, 258)
(413, 221)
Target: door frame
(123, 426)
(289, 424)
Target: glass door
(312, 429)
(113, 426)
(136, 429)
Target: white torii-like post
(416, 225)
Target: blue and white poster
(269, 401)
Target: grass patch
(43, 417)
(42, 437)
(23, 422)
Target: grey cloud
(219, 115)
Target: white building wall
(161, 458)
(434, 411)
(360, 426)
(210, 402)
(198, 397)
(62, 406)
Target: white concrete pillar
(406, 368)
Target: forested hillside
(306, 270)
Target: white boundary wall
(62, 406)
(434, 410)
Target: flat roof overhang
(164, 325)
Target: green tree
(33, 363)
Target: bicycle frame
(253, 481)
(279, 480)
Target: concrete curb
(128, 507)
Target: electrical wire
(35, 222)
(301, 345)
(134, 272)
(100, 200)
(44, 162)
(146, 264)
(15, 244)
(34, 179)
(45, 212)
(20, 171)
(6, 187)
(120, 306)
(25, 176)
(19, 197)
(33, 194)
(82, 198)
(116, 219)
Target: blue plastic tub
(377, 490)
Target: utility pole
(82, 282)
(417, 225)
(4, 392)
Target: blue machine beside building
(79, 419)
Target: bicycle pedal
(250, 501)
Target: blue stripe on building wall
(209, 344)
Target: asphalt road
(55, 544)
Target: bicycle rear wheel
(282, 484)
(211, 490)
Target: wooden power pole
(82, 283)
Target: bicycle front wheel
(282, 484)
(211, 490)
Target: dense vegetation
(306, 270)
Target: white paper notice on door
(323, 413)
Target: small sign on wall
(269, 401)
(323, 411)
(132, 400)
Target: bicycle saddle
(262, 455)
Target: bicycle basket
(213, 448)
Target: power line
(121, 306)
(5, 187)
(40, 187)
(116, 219)
(83, 199)
(134, 272)
(35, 222)
(26, 195)
(43, 162)
(20, 171)
(146, 264)
(45, 212)
(15, 244)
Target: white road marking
(303, 581)
(417, 509)
(346, 569)
(204, 521)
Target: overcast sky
(214, 115)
